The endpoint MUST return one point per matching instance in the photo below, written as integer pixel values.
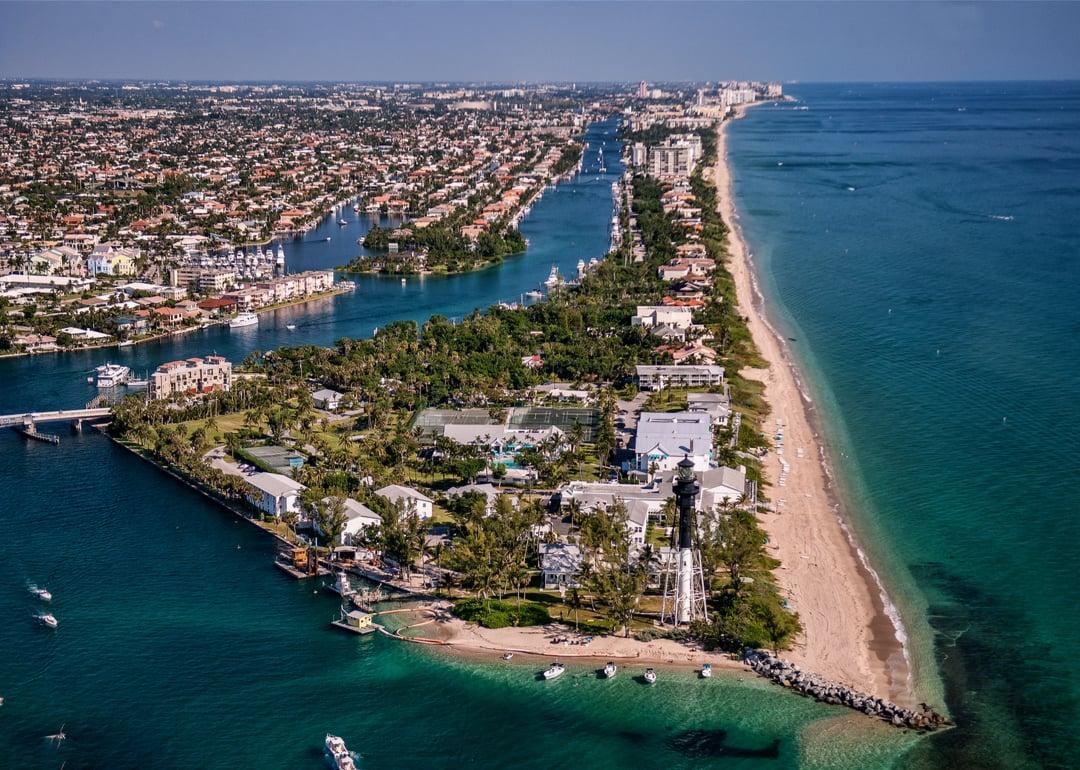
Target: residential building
(560, 565)
(658, 377)
(665, 315)
(664, 438)
(410, 500)
(192, 376)
(273, 493)
(359, 518)
(327, 399)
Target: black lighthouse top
(686, 489)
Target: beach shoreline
(852, 632)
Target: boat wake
(1001, 217)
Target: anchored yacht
(243, 319)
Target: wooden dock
(298, 574)
(362, 631)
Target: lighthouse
(684, 591)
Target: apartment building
(194, 376)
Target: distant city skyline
(513, 42)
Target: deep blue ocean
(919, 245)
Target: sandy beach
(848, 637)
(539, 641)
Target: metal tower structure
(684, 580)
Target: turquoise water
(180, 645)
(919, 245)
(178, 649)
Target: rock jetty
(788, 675)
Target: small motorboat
(49, 620)
(339, 754)
(403, 282)
(328, 237)
(41, 593)
(508, 656)
(534, 294)
(341, 223)
(706, 670)
(290, 327)
(650, 676)
(554, 671)
(610, 670)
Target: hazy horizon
(516, 42)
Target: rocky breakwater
(813, 686)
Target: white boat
(341, 223)
(534, 294)
(127, 343)
(706, 670)
(49, 620)
(290, 327)
(111, 375)
(650, 676)
(243, 319)
(508, 656)
(342, 586)
(339, 754)
(553, 277)
(328, 237)
(554, 671)
(41, 593)
(403, 281)
(610, 670)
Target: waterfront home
(722, 485)
(327, 399)
(410, 500)
(664, 438)
(83, 335)
(685, 376)
(359, 518)
(273, 493)
(193, 376)
(560, 565)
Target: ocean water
(919, 247)
(952, 422)
(181, 646)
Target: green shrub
(495, 613)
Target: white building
(664, 438)
(273, 493)
(410, 500)
(360, 517)
(327, 399)
(720, 485)
(685, 376)
(560, 565)
(663, 315)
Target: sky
(554, 41)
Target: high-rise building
(643, 90)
